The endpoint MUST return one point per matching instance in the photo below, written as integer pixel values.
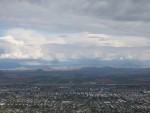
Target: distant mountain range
(77, 75)
(81, 69)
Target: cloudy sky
(38, 33)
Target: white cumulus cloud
(29, 44)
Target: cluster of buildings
(74, 98)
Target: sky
(47, 33)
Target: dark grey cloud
(119, 17)
(129, 10)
